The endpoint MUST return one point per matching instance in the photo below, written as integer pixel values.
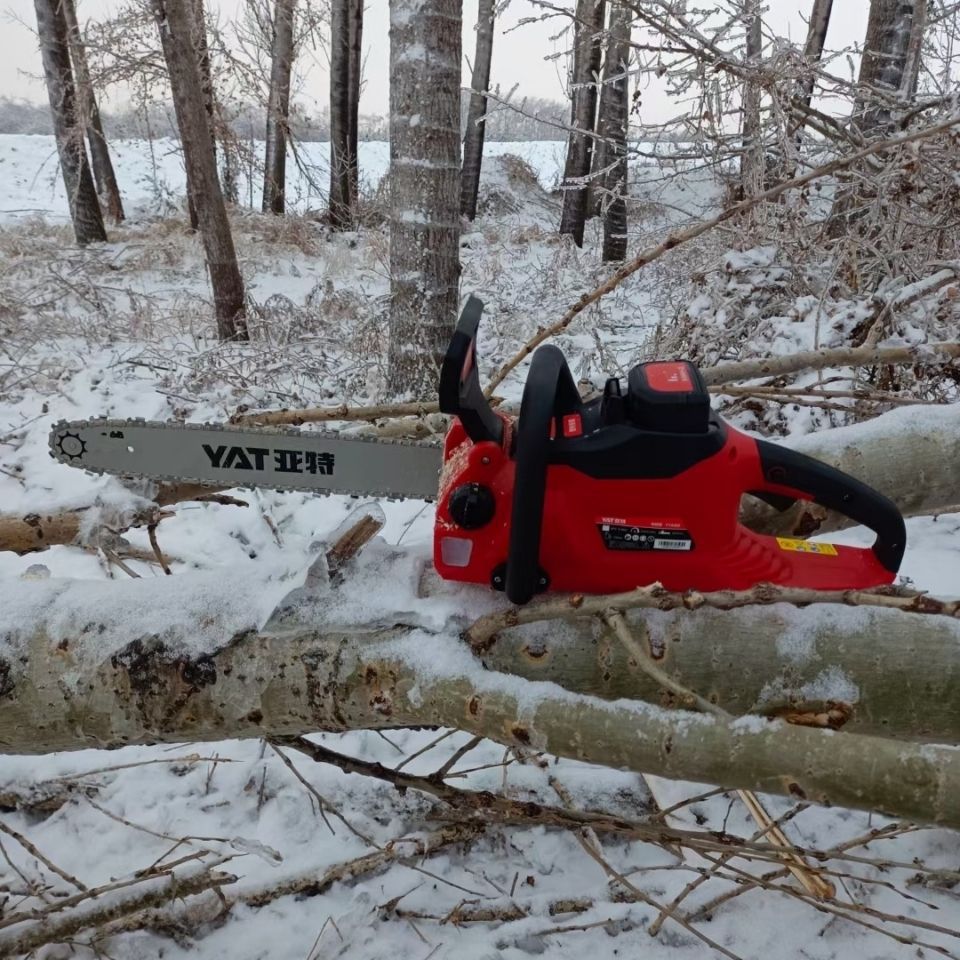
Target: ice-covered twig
(679, 237)
(63, 919)
(482, 634)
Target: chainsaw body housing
(633, 488)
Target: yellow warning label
(805, 546)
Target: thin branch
(482, 634)
(678, 238)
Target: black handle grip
(836, 490)
(549, 392)
(460, 390)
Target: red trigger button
(572, 425)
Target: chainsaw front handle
(460, 390)
(549, 392)
(788, 473)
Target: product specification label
(622, 534)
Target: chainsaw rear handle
(460, 390)
(789, 473)
(548, 393)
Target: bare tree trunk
(278, 108)
(883, 69)
(341, 212)
(911, 69)
(230, 163)
(101, 163)
(425, 44)
(476, 128)
(356, 67)
(587, 51)
(752, 160)
(813, 48)
(215, 675)
(613, 124)
(346, 32)
(81, 192)
(891, 48)
(215, 114)
(176, 25)
(203, 62)
(206, 80)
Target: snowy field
(152, 179)
(124, 330)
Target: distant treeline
(531, 118)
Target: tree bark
(425, 45)
(341, 209)
(813, 48)
(752, 158)
(175, 22)
(103, 172)
(278, 108)
(614, 121)
(77, 181)
(476, 128)
(891, 48)
(914, 57)
(356, 67)
(890, 27)
(174, 663)
(203, 62)
(587, 52)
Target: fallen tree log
(103, 665)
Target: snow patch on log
(191, 614)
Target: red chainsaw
(634, 487)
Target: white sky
(520, 54)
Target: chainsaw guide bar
(229, 456)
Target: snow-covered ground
(124, 330)
(152, 178)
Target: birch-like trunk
(77, 180)
(476, 128)
(278, 108)
(175, 20)
(104, 665)
(425, 50)
(613, 125)
(587, 52)
(101, 163)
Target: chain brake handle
(460, 392)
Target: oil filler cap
(472, 506)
